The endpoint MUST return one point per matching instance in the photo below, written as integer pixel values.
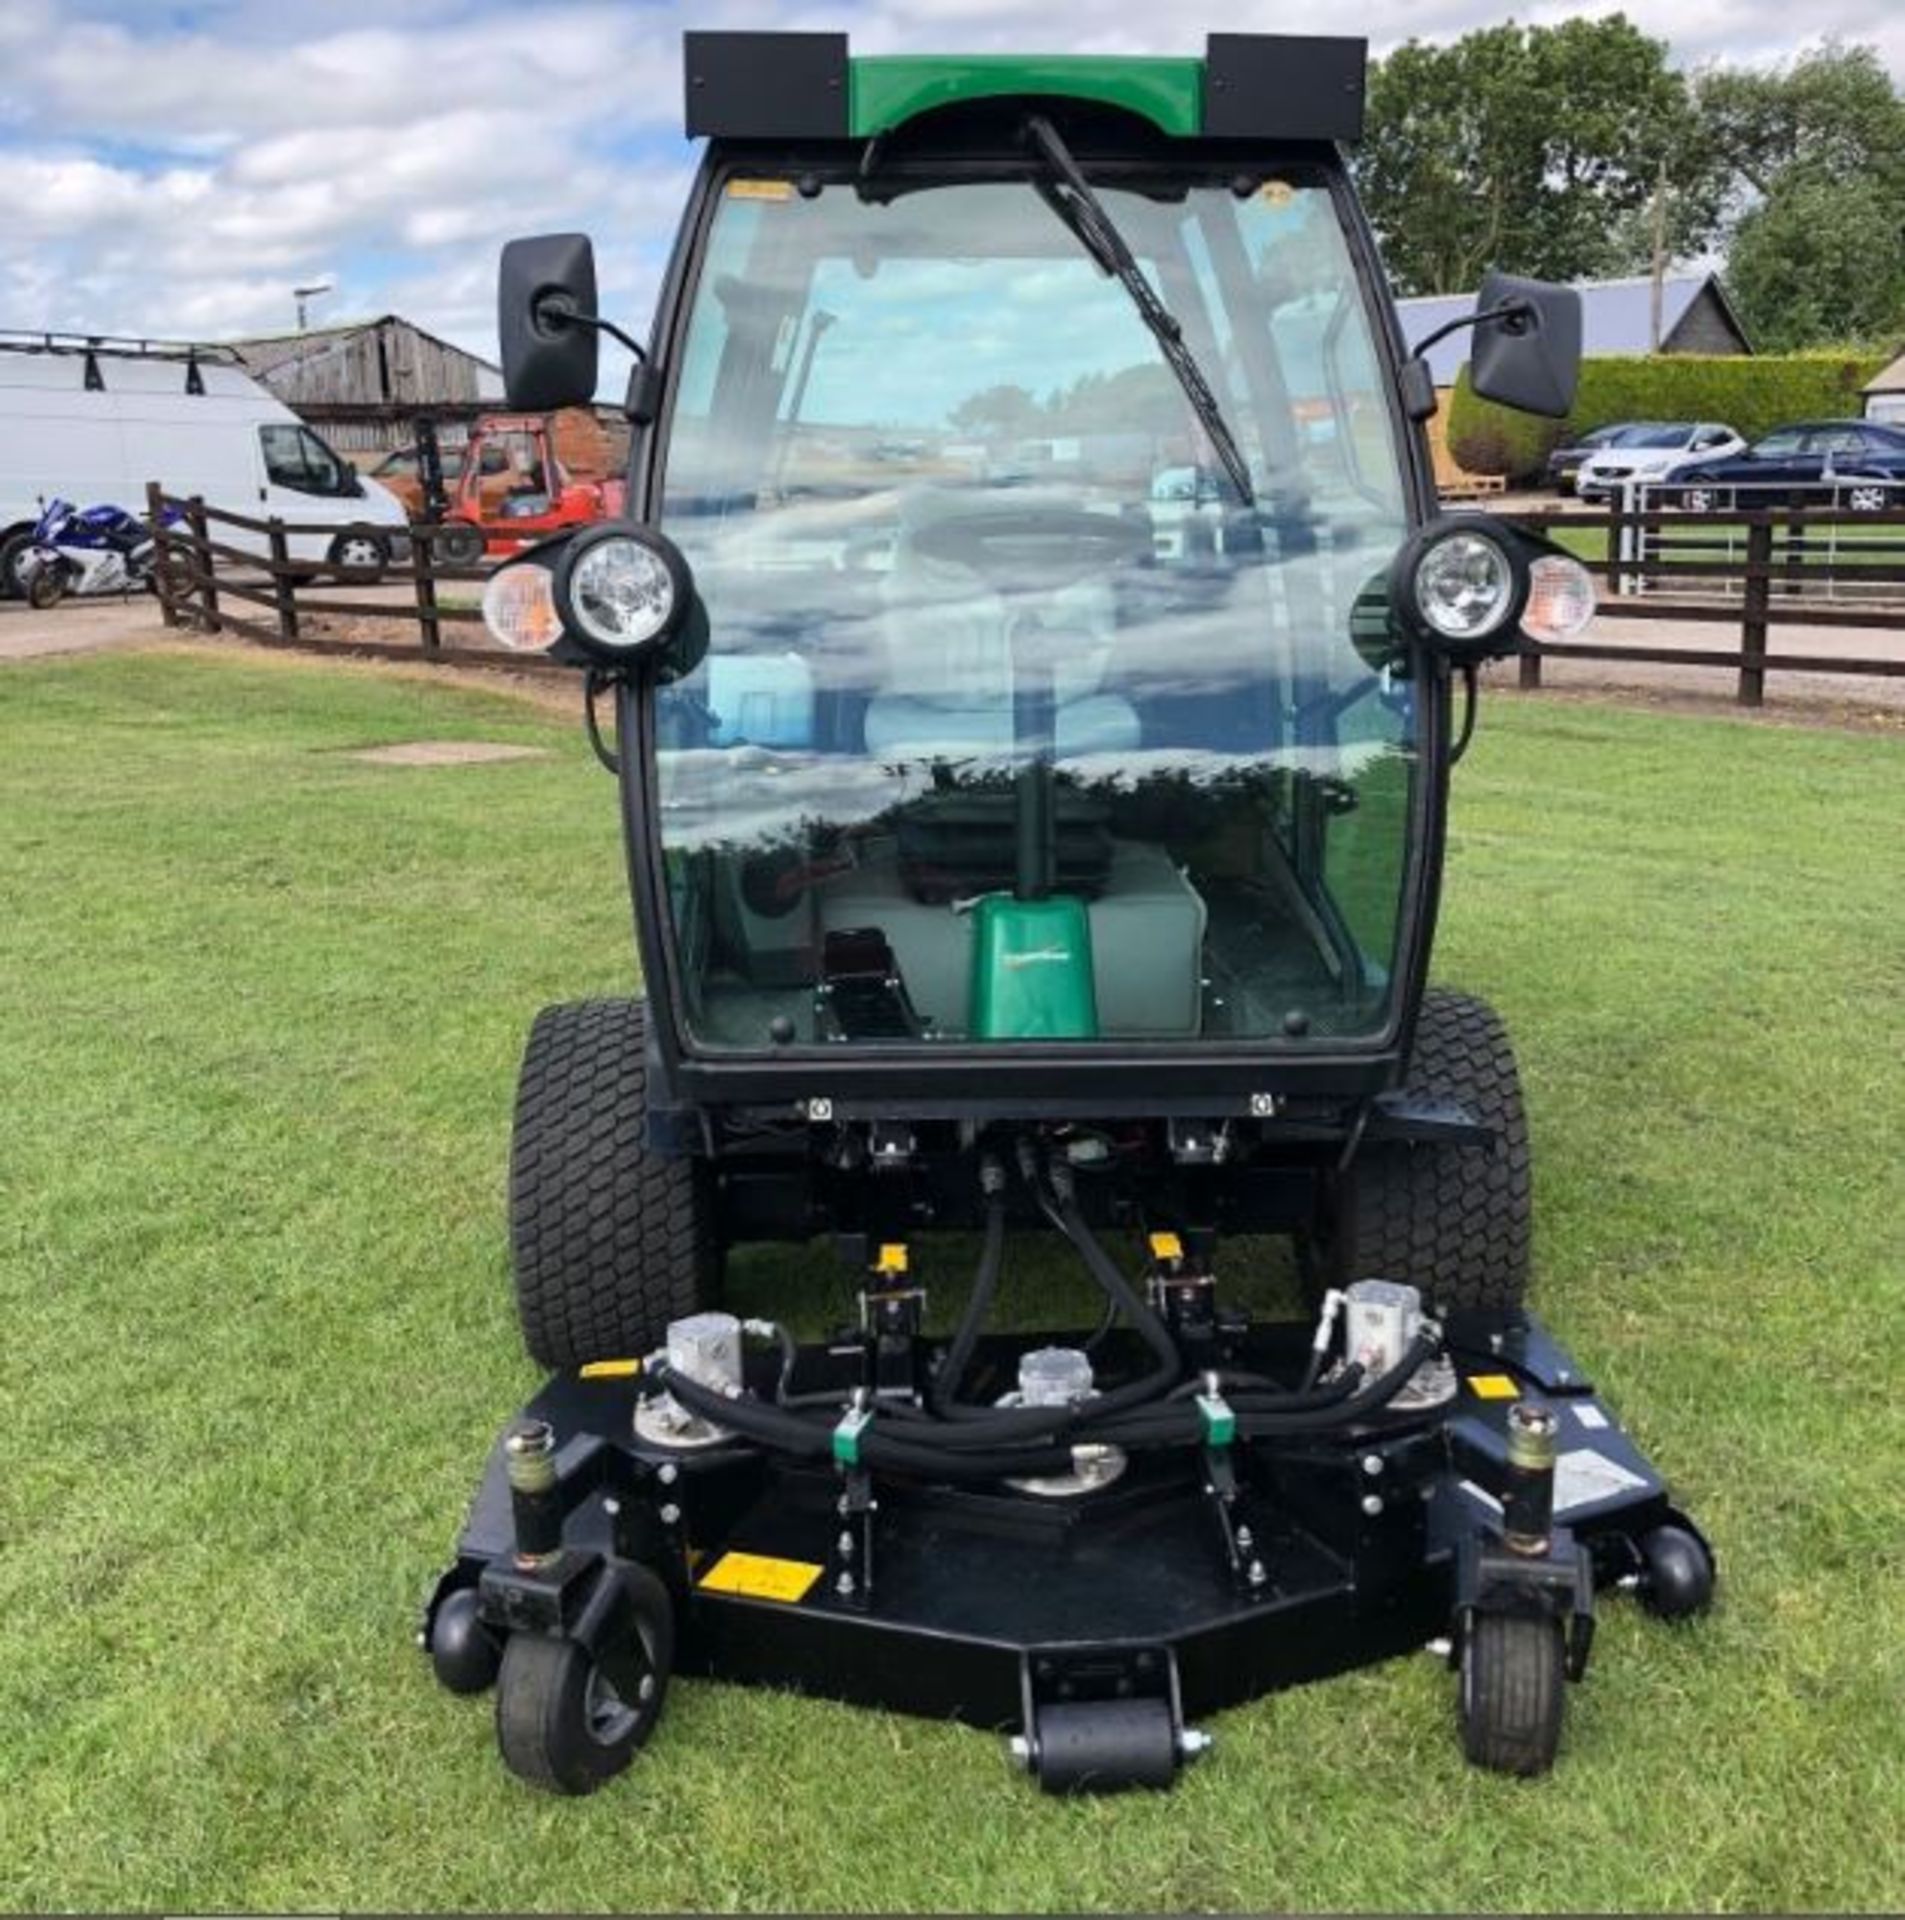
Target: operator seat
(948, 685)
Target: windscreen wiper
(1069, 195)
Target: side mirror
(1529, 359)
(548, 362)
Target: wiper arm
(1070, 196)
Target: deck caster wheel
(1513, 1677)
(1105, 1747)
(1676, 1573)
(463, 1651)
(568, 1719)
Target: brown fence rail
(1755, 569)
(199, 574)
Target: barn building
(364, 382)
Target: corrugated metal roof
(263, 351)
(1616, 317)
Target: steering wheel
(1034, 549)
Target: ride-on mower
(1034, 659)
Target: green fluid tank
(1031, 969)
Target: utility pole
(1660, 254)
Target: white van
(93, 422)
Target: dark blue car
(1860, 464)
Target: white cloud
(169, 177)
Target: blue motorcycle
(102, 549)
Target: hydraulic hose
(945, 1387)
(1261, 1417)
(808, 1439)
(951, 1440)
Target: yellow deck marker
(758, 1576)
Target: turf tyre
(568, 1721)
(1455, 1221)
(1512, 1691)
(609, 1240)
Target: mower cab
(1031, 651)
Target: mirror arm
(1509, 310)
(554, 312)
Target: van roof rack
(42, 340)
(191, 354)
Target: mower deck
(994, 1606)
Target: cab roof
(808, 86)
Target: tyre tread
(1513, 1722)
(1455, 1221)
(610, 1241)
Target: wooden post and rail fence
(199, 571)
(1753, 570)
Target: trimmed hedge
(1751, 392)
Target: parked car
(1859, 463)
(84, 419)
(1654, 452)
(1565, 462)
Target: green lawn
(262, 1008)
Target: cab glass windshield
(990, 623)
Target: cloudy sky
(176, 169)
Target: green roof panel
(888, 90)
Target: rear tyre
(567, 1721)
(610, 1240)
(172, 577)
(1454, 1221)
(1512, 1692)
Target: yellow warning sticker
(609, 1370)
(760, 189)
(1166, 1246)
(1493, 1386)
(892, 1258)
(756, 1576)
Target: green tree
(1819, 260)
(1833, 114)
(1811, 164)
(1537, 149)
(1004, 409)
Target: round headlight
(1465, 586)
(624, 591)
(1560, 598)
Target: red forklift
(513, 488)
